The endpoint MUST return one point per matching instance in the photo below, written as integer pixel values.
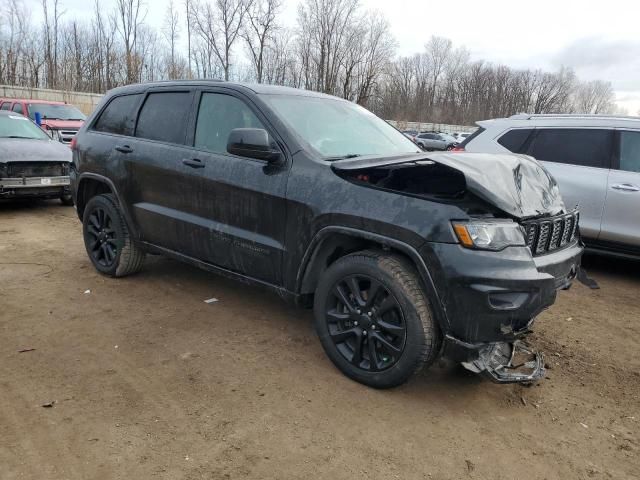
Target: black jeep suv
(404, 256)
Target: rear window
(118, 117)
(164, 117)
(472, 136)
(583, 147)
(514, 140)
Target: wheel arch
(90, 185)
(332, 243)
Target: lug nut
(369, 313)
(355, 323)
(373, 327)
(364, 333)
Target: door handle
(626, 187)
(124, 149)
(193, 162)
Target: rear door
(159, 182)
(621, 218)
(579, 159)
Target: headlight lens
(489, 235)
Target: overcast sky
(598, 39)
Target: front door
(237, 205)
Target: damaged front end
(490, 292)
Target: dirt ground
(148, 381)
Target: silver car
(434, 141)
(596, 161)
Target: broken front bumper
(491, 299)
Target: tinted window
(514, 140)
(118, 117)
(217, 116)
(584, 147)
(17, 108)
(630, 151)
(5, 106)
(164, 117)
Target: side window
(514, 140)
(630, 151)
(118, 117)
(5, 106)
(164, 117)
(217, 116)
(17, 108)
(583, 147)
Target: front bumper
(491, 298)
(34, 187)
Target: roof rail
(529, 116)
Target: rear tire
(107, 239)
(400, 335)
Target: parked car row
(432, 141)
(60, 120)
(596, 161)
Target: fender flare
(323, 234)
(107, 181)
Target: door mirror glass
(252, 143)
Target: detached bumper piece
(508, 362)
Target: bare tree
(171, 32)
(219, 26)
(259, 30)
(51, 22)
(129, 17)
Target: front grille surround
(545, 235)
(36, 169)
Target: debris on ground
(48, 404)
(87, 291)
(25, 350)
(470, 466)
(211, 300)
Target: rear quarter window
(119, 115)
(574, 146)
(514, 140)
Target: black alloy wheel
(102, 241)
(366, 323)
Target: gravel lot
(148, 381)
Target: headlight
(489, 235)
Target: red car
(60, 120)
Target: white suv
(594, 158)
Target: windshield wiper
(343, 157)
(16, 136)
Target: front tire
(374, 320)
(107, 239)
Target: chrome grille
(548, 234)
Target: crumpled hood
(25, 150)
(517, 184)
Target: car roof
(32, 100)
(562, 120)
(258, 88)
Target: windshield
(339, 129)
(55, 112)
(17, 126)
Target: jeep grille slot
(549, 234)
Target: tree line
(336, 47)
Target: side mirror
(252, 143)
